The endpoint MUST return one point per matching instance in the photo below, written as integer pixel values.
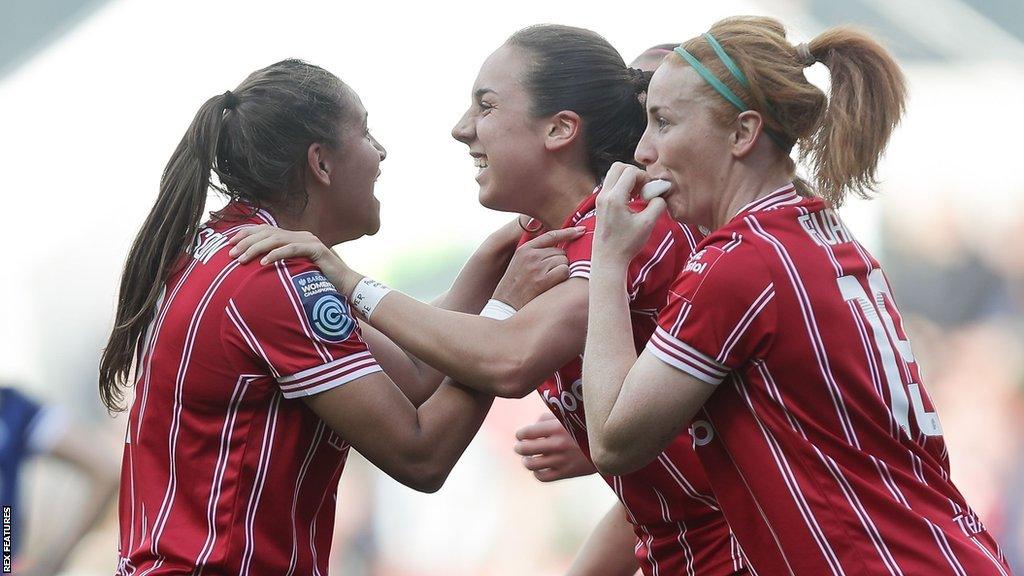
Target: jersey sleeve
(289, 319)
(578, 251)
(720, 313)
(653, 268)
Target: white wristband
(497, 309)
(367, 295)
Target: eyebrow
(480, 92)
(654, 110)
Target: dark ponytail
(255, 139)
(169, 228)
(578, 70)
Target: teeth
(480, 162)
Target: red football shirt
(679, 527)
(820, 441)
(225, 470)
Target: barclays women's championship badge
(326, 310)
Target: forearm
(610, 352)
(477, 280)
(101, 493)
(608, 550)
(479, 352)
(448, 421)
(468, 294)
(413, 377)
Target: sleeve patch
(326, 310)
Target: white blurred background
(95, 94)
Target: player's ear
(749, 129)
(562, 129)
(317, 164)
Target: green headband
(724, 90)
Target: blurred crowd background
(94, 95)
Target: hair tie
(230, 100)
(636, 76)
(803, 54)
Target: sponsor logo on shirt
(694, 264)
(326, 310)
(702, 433)
(568, 400)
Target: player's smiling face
(350, 208)
(505, 141)
(683, 144)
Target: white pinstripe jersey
(820, 441)
(225, 470)
(679, 527)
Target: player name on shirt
(825, 227)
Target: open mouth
(480, 161)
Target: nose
(464, 130)
(380, 149)
(645, 153)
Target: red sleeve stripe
(317, 373)
(684, 357)
(345, 376)
(580, 269)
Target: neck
(744, 186)
(560, 194)
(309, 221)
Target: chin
(678, 213)
(372, 226)
(489, 199)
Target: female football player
(253, 381)
(551, 109)
(781, 346)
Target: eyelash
(662, 123)
(485, 108)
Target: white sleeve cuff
(679, 354)
(326, 376)
(580, 269)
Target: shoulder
(294, 293)
(280, 278)
(727, 262)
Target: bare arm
(416, 446)
(508, 357)
(608, 550)
(77, 447)
(634, 408)
(505, 358)
(468, 294)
